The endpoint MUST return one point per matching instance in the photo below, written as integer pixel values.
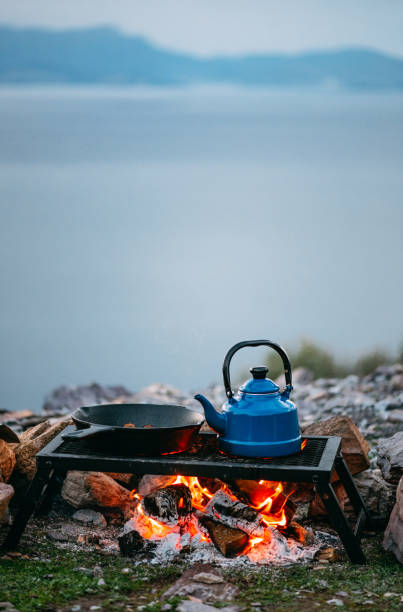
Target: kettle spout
(215, 419)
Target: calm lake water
(143, 232)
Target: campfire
(241, 518)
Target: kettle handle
(236, 347)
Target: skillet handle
(88, 432)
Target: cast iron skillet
(173, 428)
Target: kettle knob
(259, 372)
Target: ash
(275, 550)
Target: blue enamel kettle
(260, 420)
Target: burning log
(132, 543)
(170, 503)
(289, 510)
(297, 532)
(252, 492)
(235, 513)
(228, 540)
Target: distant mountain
(105, 55)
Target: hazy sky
(228, 26)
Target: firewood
(32, 441)
(211, 484)
(6, 493)
(354, 447)
(170, 503)
(7, 460)
(7, 434)
(283, 502)
(289, 510)
(132, 543)
(235, 513)
(228, 540)
(251, 492)
(298, 532)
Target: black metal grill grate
(206, 449)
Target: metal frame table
(314, 464)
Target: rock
(354, 447)
(151, 482)
(158, 393)
(390, 457)
(6, 493)
(7, 460)
(11, 417)
(95, 490)
(65, 399)
(129, 480)
(208, 578)
(396, 416)
(377, 494)
(204, 582)
(6, 606)
(300, 376)
(396, 382)
(393, 538)
(90, 517)
(32, 441)
(84, 570)
(335, 602)
(194, 606)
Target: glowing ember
(269, 500)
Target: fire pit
(313, 465)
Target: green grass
(308, 588)
(27, 584)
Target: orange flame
(271, 509)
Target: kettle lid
(259, 383)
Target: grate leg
(339, 521)
(54, 486)
(31, 499)
(349, 485)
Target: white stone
(208, 578)
(89, 517)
